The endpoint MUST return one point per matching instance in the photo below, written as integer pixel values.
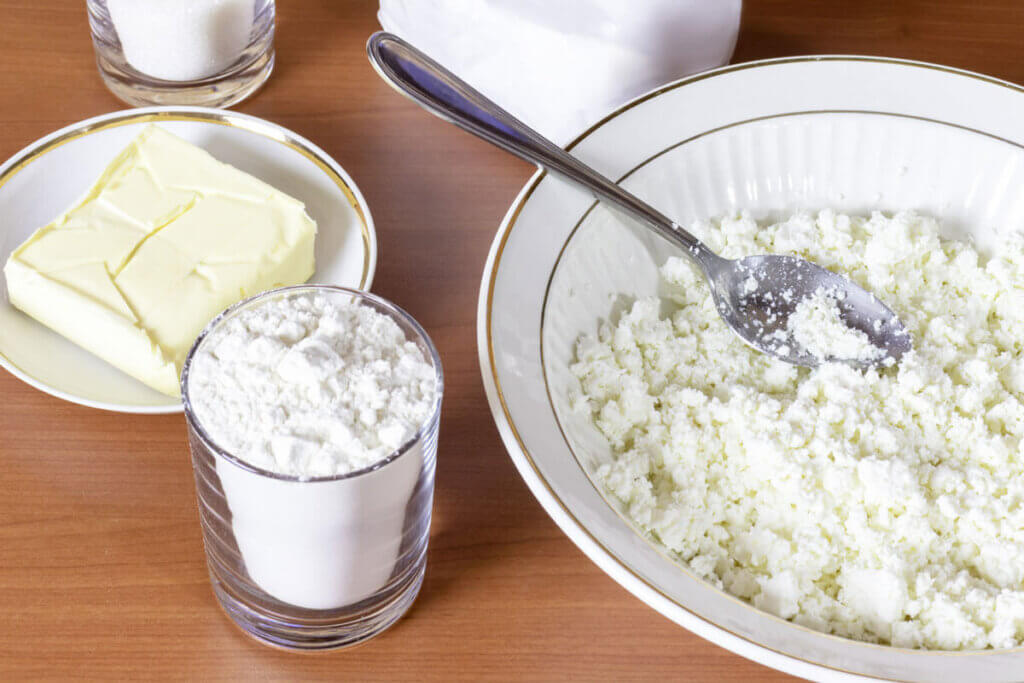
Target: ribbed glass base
(314, 633)
(224, 91)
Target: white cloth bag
(560, 65)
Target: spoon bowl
(758, 295)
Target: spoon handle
(442, 93)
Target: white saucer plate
(849, 133)
(42, 180)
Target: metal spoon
(759, 315)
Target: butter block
(164, 240)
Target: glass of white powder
(213, 53)
(312, 417)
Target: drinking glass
(212, 53)
(317, 563)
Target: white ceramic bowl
(849, 133)
(42, 180)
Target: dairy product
(817, 326)
(165, 239)
(308, 386)
(884, 505)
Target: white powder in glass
(882, 505)
(310, 386)
(182, 40)
(816, 324)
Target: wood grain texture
(101, 563)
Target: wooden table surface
(101, 563)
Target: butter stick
(164, 240)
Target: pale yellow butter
(165, 239)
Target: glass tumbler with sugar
(212, 53)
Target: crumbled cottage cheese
(309, 386)
(882, 505)
(816, 324)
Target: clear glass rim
(391, 309)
